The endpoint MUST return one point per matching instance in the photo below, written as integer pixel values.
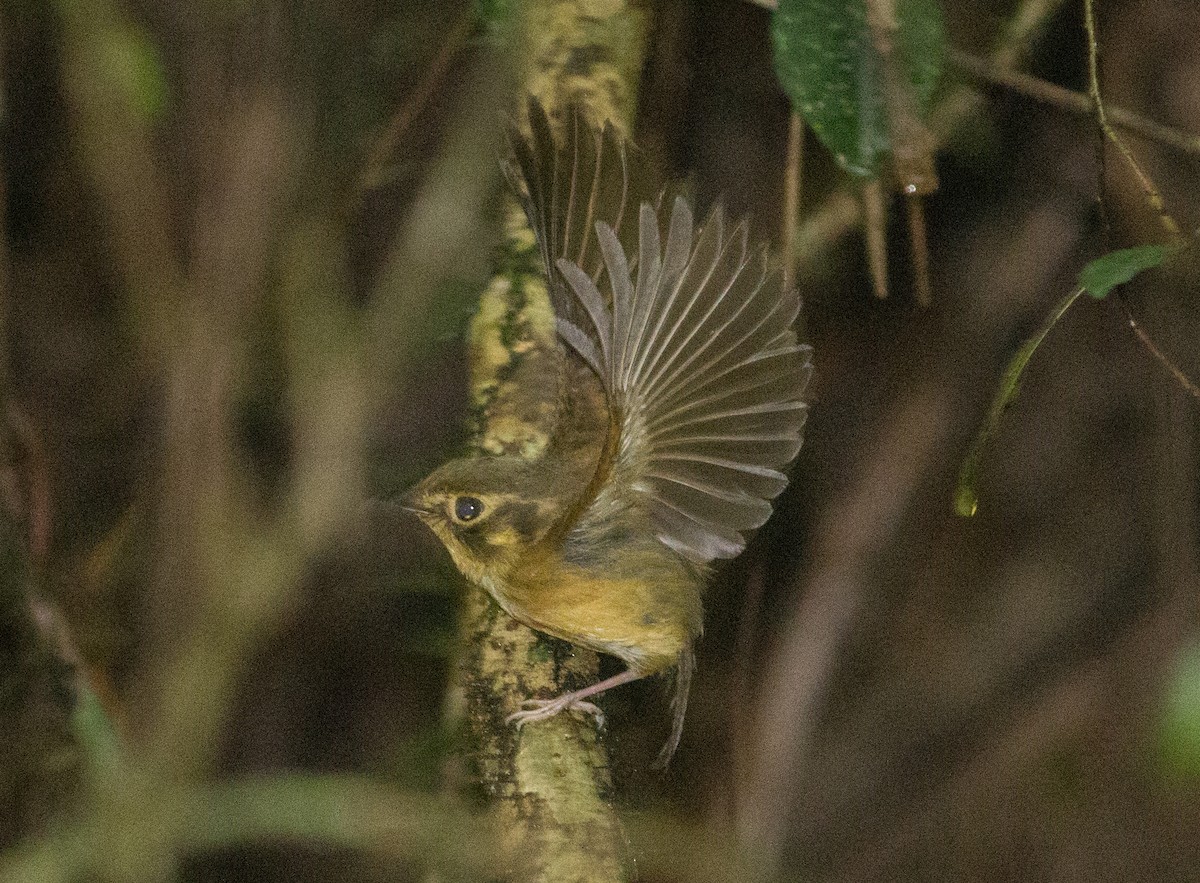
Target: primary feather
(692, 341)
(704, 370)
(566, 189)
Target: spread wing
(700, 360)
(565, 189)
(697, 354)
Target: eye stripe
(524, 519)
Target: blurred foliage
(496, 15)
(99, 745)
(226, 663)
(131, 61)
(1179, 734)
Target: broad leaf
(829, 68)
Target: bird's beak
(407, 500)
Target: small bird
(608, 538)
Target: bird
(682, 380)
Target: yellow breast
(644, 620)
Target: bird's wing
(702, 366)
(566, 188)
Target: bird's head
(487, 511)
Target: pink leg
(541, 709)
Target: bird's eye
(468, 508)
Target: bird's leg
(541, 709)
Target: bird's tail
(683, 684)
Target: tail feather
(683, 684)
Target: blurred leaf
(1179, 731)
(1117, 267)
(831, 71)
(966, 496)
(496, 15)
(103, 755)
(343, 811)
(131, 62)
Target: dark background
(993, 698)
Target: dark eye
(467, 508)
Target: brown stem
(1175, 371)
(1153, 196)
(1074, 102)
(912, 144)
(875, 230)
(919, 240)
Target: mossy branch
(551, 781)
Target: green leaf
(498, 17)
(829, 68)
(1179, 728)
(1116, 268)
(966, 496)
(131, 62)
(103, 754)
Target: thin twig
(1152, 193)
(384, 148)
(1153, 196)
(875, 231)
(912, 143)
(1158, 354)
(919, 241)
(1075, 102)
(792, 180)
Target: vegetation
(259, 274)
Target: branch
(551, 781)
(1074, 102)
(1153, 196)
(792, 180)
(1148, 342)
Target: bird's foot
(542, 709)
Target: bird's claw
(542, 709)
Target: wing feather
(585, 345)
(691, 337)
(592, 302)
(565, 188)
(681, 320)
(707, 376)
